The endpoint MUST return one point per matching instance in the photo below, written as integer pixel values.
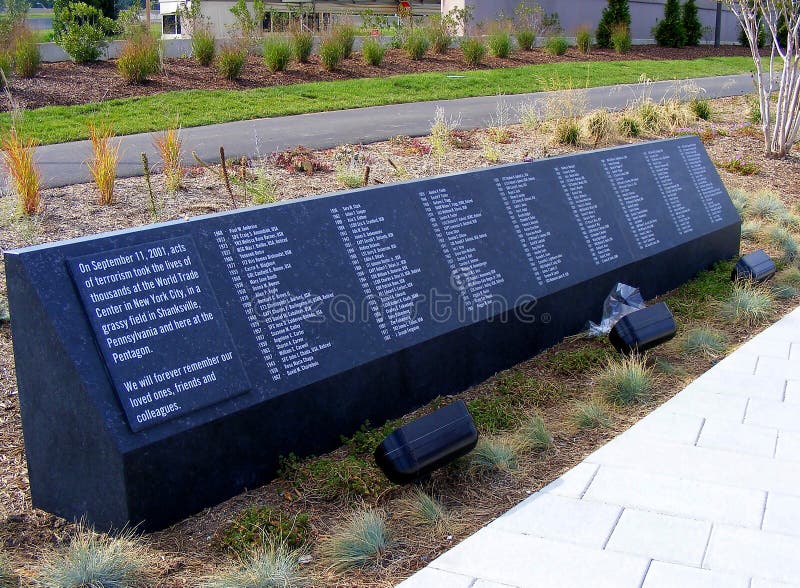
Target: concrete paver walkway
(63, 164)
(703, 492)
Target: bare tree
(780, 125)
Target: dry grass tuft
(426, 511)
(269, 566)
(749, 304)
(103, 165)
(626, 381)
(591, 414)
(169, 146)
(361, 542)
(18, 157)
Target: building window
(170, 24)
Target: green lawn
(54, 124)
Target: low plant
(345, 34)
(299, 159)
(530, 116)
(526, 39)
(350, 176)
(626, 381)
(168, 144)
(701, 108)
(373, 52)
(600, 126)
(261, 186)
(534, 434)
(491, 456)
(790, 221)
(783, 239)
(574, 362)
(474, 51)
(99, 561)
(591, 414)
(621, 38)
(629, 127)
(268, 566)
(783, 291)
(361, 542)
(426, 511)
(740, 199)
(8, 578)
(440, 33)
(416, 44)
(650, 115)
(84, 32)
(103, 165)
(335, 479)
(277, 51)
(230, 61)
(556, 45)
(500, 42)
(749, 304)
(138, 58)
(753, 110)
(18, 155)
(751, 230)
(767, 206)
(583, 39)
(567, 131)
(302, 45)
(462, 138)
(25, 54)
(203, 46)
(705, 341)
(738, 164)
(441, 135)
(490, 153)
(494, 413)
(262, 526)
(790, 276)
(331, 52)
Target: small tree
(691, 23)
(783, 73)
(617, 12)
(669, 31)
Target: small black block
(427, 443)
(643, 329)
(756, 266)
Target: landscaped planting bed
(537, 419)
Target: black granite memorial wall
(165, 368)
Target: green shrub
(691, 23)
(269, 566)
(99, 561)
(621, 39)
(626, 381)
(85, 32)
(360, 543)
(591, 415)
(669, 31)
(705, 341)
(203, 46)
(331, 52)
(526, 39)
(492, 456)
(583, 39)
(416, 44)
(474, 51)
(701, 108)
(748, 304)
(260, 526)
(615, 13)
(373, 52)
(567, 132)
(26, 55)
(629, 127)
(277, 52)
(556, 45)
(138, 58)
(500, 43)
(346, 35)
(302, 45)
(534, 434)
(230, 61)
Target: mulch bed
(66, 83)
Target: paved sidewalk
(63, 164)
(703, 492)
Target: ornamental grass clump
(426, 511)
(331, 52)
(626, 381)
(583, 39)
(302, 45)
(474, 51)
(203, 46)
(621, 38)
(785, 241)
(373, 52)
(492, 456)
(629, 127)
(272, 565)
(416, 44)
(139, 57)
(230, 61)
(103, 164)
(345, 34)
(440, 33)
(534, 434)
(93, 560)
(600, 126)
(361, 542)
(767, 206)
(168, 144)
(751, 230)
(556, 45)
(591, 414)
(25, 54)
(277, 51)
(749, 304)
(500, 42)
(701, 108)
(18, 155)
(526, 38)
(705, 341)
(567, 131)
